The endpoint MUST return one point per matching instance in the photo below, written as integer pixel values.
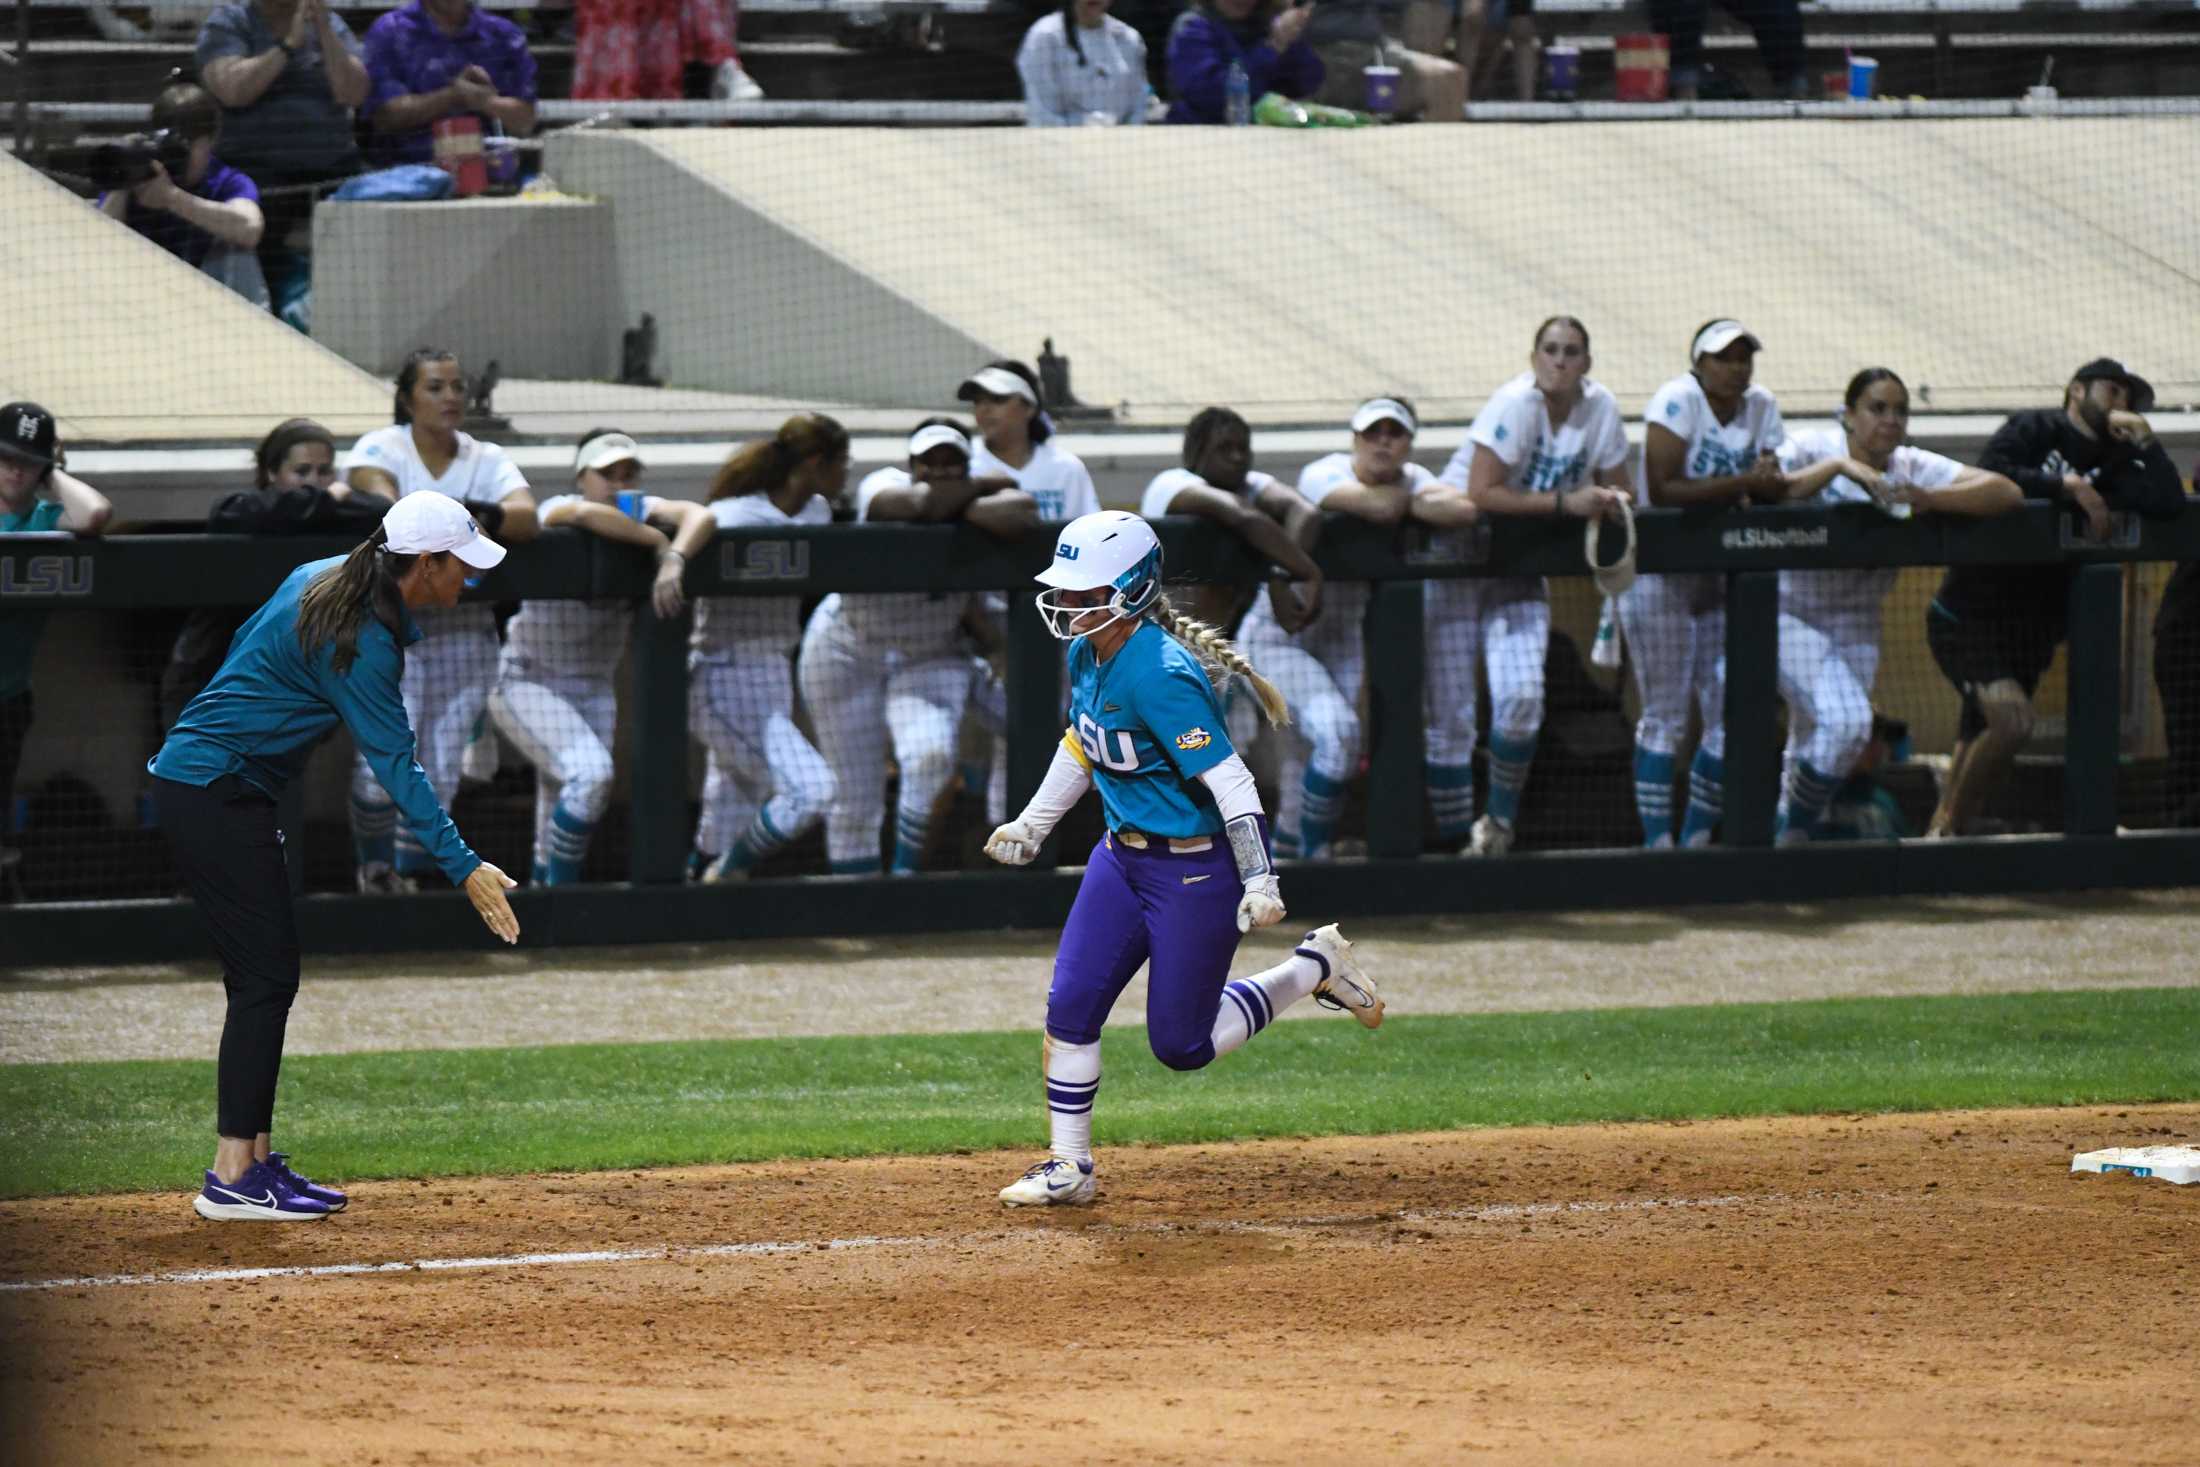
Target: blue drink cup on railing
(1863, 78)
(1382, 89)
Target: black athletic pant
(229, 851)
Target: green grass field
(73, 1128)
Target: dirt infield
(1928, 1288)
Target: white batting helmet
(1112, 548)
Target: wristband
(1249, 847)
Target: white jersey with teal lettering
(481, 473)
(1716, 450)
(725, 624)
(1054, 476)
(1542, 457)
(1344, 603)
(1817, 594)
(573, 638)
(1169, 483)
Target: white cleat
(731, 84)
(1490, 837)
(1052, 1183)
(1345, 984)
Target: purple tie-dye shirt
(407, 53)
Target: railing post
(1034, 706)
(2091, 744)
(657, 786)
(1752, 687)
(1394, 698)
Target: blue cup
(1382, 89)
(1863, 77)
(1562, 71)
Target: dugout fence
(2096, 782)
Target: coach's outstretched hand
(485, 888)
(1014, 844)
(1262, 904)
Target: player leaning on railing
(1183, 870)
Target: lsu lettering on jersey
(1542, 457)
(725, 623)
(1810, 593)
(1147, 724)
(1055, 477)
(1716, 450)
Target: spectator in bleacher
(1486, 30)
(556, 697)
(287, 74)
(1993, 629)
(639, 50)
(1829, 619)
(449, 672)
(1777, 24)
(439, 58)
(1320, 669)
(764, 783)
(1711, 438)
(1264, 37)
(37, 496)
(1352, 35)
(893, 670)
(1548, 443)
(1082, 67)
(210, 218)
(2177, 681)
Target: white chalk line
(1492, 1212)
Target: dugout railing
(1397, 876)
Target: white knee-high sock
(1250, 1004)
(1073, 1080)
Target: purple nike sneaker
(260, 1195)
(304, 1186)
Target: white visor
(425, 522)
(1384, 410)
(604, 450)
(996, 382)
(1717, 337)
(938, 435)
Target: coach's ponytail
(336, 603)
(1221, 658)
(765, 465)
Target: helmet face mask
(1112, 550)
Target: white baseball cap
(1383, 410)
(936, 435)
(996, 382)
(1718, 336)
(424, 522)
(604, 450)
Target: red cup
(1642, 67)
(458, 152)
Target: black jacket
(2035, 449)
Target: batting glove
(1262, 904)
(1015, 843)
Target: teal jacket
(270, 704)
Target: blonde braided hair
(1220, 656)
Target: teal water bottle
(1237, 96)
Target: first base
(2164, 1163)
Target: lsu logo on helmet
(1194, 738)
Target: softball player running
(324, 650)
(1319, 671)
(764, 786)
(1711, 438)
(449, 674)
(1829, 619)
(892, 668)
(1535, 442)
(555, 698)
(1183, 870)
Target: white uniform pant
(742, 712)
(566, 727)
(1676, 638)
(1829, 658)
(1506, 623)
(863, 697)
(1319, 674)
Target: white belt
(1138, 840)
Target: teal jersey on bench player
(1147, 724)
